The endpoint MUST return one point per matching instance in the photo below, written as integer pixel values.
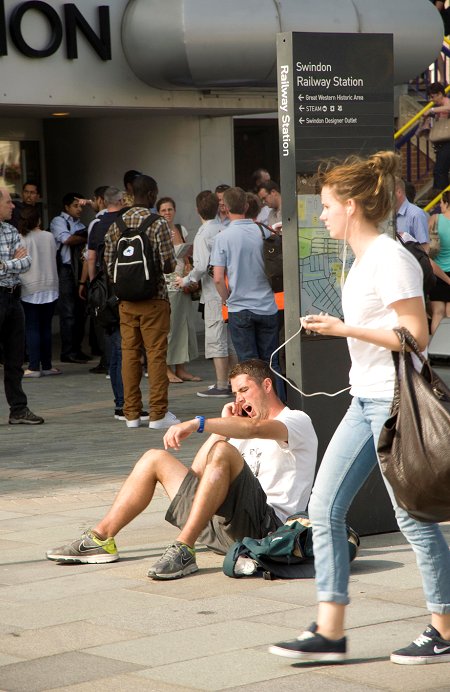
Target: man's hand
(232, 409)
(20, 253)
(179, 282)
(181, 431)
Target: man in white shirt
(218, 344)
(255, 469)
(270, 195)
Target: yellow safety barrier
(437, 199)
(418, 115)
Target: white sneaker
(168, 420)
(133, 423)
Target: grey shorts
(245, 512)
(218, 342)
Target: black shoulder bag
(414, 442)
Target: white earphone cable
(341, 391)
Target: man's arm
(219, 281)
(232, 424)
(91, 260)
(74, 239)
(111, 238)
(20, 262)
(200, 260)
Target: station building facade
(182, 90)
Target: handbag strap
(406, 339)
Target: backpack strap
(263, 227)
(145, 223)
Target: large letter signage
(74, 21)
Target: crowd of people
(153, 330)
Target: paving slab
(53, 671)
(72, 636)
(192, 643)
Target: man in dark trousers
(14, 260)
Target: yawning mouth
(248, 408)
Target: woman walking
(383, 290)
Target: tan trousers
(144, 323)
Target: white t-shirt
(386, 272)
(285, 470)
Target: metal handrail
(416, 117)
(436, 200)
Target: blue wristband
(201, 427)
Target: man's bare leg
(137, 491)
(217, 464)
(222, 369)
(223, 464)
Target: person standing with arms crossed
(383, 290)
(14, 260)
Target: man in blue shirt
(237, 253)
(70, 235)
(410, 218)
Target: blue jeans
(348, 461)
(253, 336)
(256, 336)
(114, 345)
(38, 332)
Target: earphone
(278, 374)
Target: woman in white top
(182, 340)
(39, 293)
(383, 290)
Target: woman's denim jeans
(348, 461)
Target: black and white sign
(335, 95)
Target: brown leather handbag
(414, 444)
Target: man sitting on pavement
(255, 469)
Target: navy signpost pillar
(335, 98)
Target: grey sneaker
(215, 393)
(26, 417)
(88, 550)
(177, 561)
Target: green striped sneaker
(87, 550)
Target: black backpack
(103, 305)
(135, 276)
(273, 258)
(415, 248)
(282, 554)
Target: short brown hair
(207, 204)
(235, 199)
(255, 368)
(254, 206)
